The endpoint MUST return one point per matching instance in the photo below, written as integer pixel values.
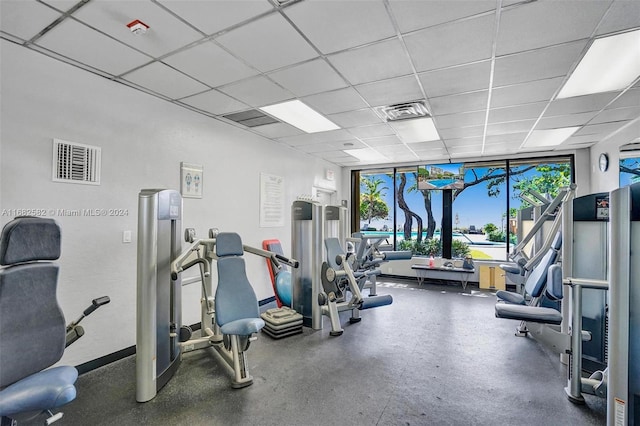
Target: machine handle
(95, 304)
(291, 262)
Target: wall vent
(403, 111)
(76, 163)
(251, 118)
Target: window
(484, 214)
(629, 168)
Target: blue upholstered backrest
(32, 326)
(235, 298)
(554, 282)
(333, 250)
(538, 278)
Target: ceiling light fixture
(300, 115)
(418, 130)
(611, 63)
(366, 154)
(549, 137)
(138, 27)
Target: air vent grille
(403, 111)
(251, 118)
(76, 163)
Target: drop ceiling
(488, 71)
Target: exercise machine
(29, 385)
(229, 320)
(523, 263)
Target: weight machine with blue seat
(28, 283)
(345, 273)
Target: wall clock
(603, 162)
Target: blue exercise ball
(283, 287)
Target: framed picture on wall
(191, 180)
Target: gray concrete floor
(436, 356)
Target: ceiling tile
(278, 130)
(510, 139)
(461, 132)
(600, 129)
(622, 15)
(460, 151)
(166, 33)
(520, 112)
(321, 137)
(362, 117)
(466, 102)
(510, 127)
(464, 142)
(459, 79)
(165, 80)
(308, 78)
(451, 44)
(436, 146)
(268, 43)
(617, 114)
(539, 64)
(579, 104)
(373, 131)
(630, 98)
(257, 91)
(85, 45)
(214, 102)
(333, 26)
(464, 119)
(377, 61)
(213, 16)
(413, 15)
(336, 101)
(382, 141)
(561, 121)
(331, 147)
(584, 139)
(545, 23)
(392, 91)
(25, 19)
(390, 150)
(523, 93)
(210, 64)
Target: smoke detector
(403, 111)
(138, 27)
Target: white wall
(610, 180)
(143, 141)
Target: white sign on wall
(271, 200)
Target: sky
(628, 178)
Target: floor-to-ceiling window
(406, 205)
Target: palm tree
(371, 203)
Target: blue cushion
(510, 297)
(26, 239)
(528, 313)
(228, 244)
(243, 327)
(45, 390)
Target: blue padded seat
(535, 313)
(236, 303)
(32, 325)
(51, 388)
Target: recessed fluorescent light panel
(366, 154)
(611, 63)
(300, 115)
(549, 137)
(417, 130)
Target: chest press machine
(229, 320)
